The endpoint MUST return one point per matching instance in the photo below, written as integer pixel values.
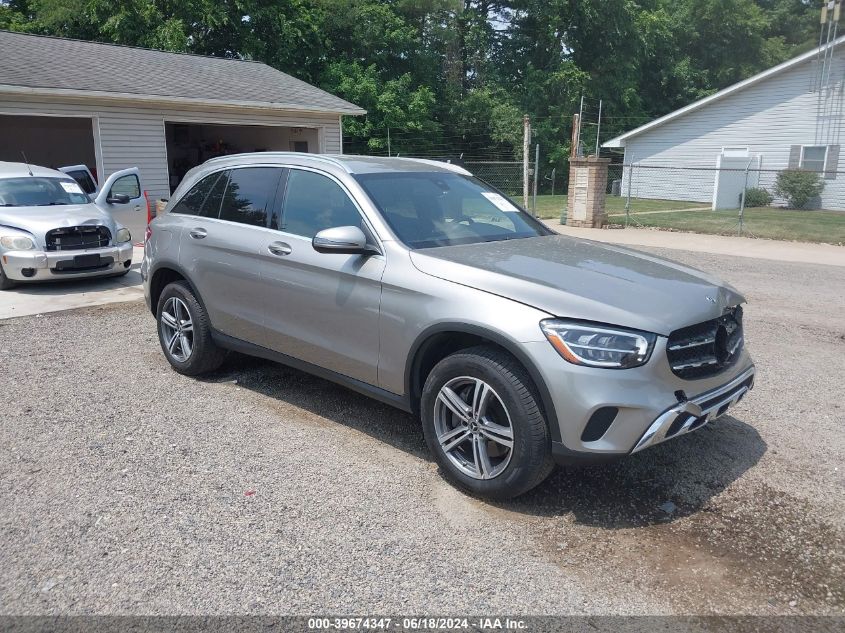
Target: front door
(122, 197)
(319, 307)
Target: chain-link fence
(504, 175)
(744, 200)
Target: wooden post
(526, 148)
(576, 120)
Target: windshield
(40, 192)
(444, 209)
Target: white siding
(134, 136)
(768, 118)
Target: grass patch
(775, 224)
(767, 222)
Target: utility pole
(388, 142)
(598, 129)
(536, 176)
(526, 149)
(580, 120)
(576, 129)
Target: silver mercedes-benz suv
(417, 284)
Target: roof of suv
(20, 170)
(348, 163)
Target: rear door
(122, 197)
(322, 308)
(82, 175)
(221, 245)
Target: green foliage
(798, 186)
(757, 197)
(450, 77)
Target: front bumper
(647, 404)
(26, 266)
(690, 415)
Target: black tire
(5, 282)
(530, 460)
(204, 355)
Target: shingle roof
(36, 63)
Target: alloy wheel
(177, 329)
(473, 427)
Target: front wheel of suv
(483, 423)
(184, 331)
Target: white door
(122, 197)
(732, 179)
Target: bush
(757, 197)
(798, 186)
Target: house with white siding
(790, 116)
(109, 107)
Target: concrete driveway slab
(31, 299)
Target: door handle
(137, 207)
(279, 248)
(198, 234)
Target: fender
(412, 364)
(176, 268)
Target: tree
(450, 77)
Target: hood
(581, 279)
(39, 220)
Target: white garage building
(67, 102)
(790, 116)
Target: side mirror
(341, 239)
(118, 198)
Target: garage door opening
(191, 144)
(48, 141)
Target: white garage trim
(6, 89)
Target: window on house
(813, 157)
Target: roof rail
(439, 163)
(326, 158)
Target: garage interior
(48, 141)
(191, 144)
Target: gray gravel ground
(126, 488)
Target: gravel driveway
(126, 488)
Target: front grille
(74, 238)
(707, 348)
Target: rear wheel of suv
(184, 331)
(483, 423)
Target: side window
(84, 180)
(127, 185)
(192, 203)
(813, 157)
(249, 195)
(315, 202)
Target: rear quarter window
(198, 201)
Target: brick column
(587, 190)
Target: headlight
(17, 242)
(597, 346)
(123, 235)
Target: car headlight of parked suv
(123, 235)
(599, 346)
(17, 242)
